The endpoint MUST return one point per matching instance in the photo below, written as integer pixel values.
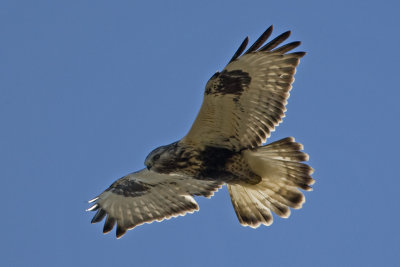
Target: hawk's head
(161, 157)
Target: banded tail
(282, 173)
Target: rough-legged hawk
(242, 105)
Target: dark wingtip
(285, 35)
(261, 40)
(240, 50)
(295, 43)
(275, 42)
(108, 225)
(120, 231)
(299, 54)
(287, 47)
(269, 46)
(99, 216)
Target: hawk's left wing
(146, 196)
(243, 103)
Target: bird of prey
(242, 104)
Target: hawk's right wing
(146, 196)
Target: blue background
(88, 88)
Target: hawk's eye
(156, 157)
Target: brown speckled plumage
(242, 105)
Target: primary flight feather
(242, 105)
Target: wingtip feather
(93, 208)
(93, 200)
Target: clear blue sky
(88, 88)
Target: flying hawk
(242, 105)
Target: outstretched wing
(243, 103)
(147, 196)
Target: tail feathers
(250, 208)
(279, 165)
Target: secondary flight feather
(242, 105)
